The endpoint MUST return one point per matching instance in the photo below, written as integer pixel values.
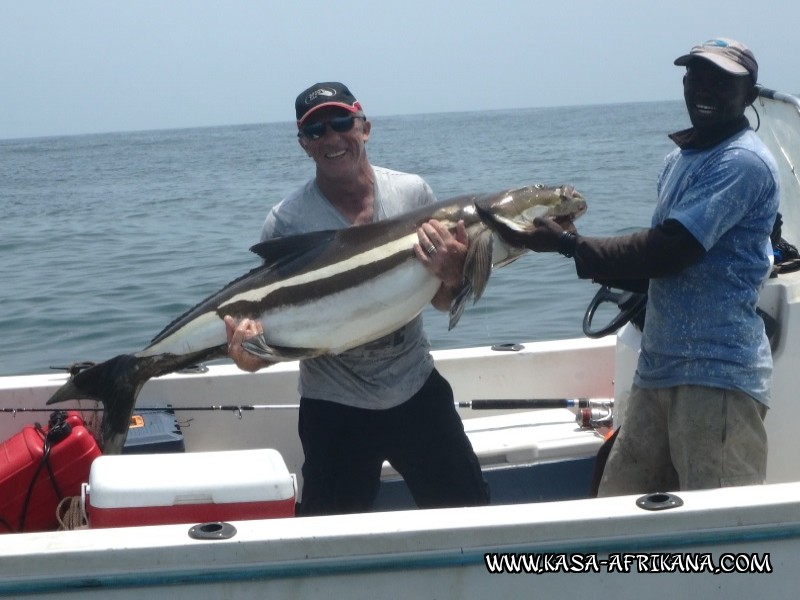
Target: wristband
(566, 244)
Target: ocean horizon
(371, 117)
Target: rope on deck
(71, 515)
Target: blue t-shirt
(701, 325)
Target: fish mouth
(572, 206)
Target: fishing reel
(596, 414)
(630, 305)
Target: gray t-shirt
(388, 371)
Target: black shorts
(423, 439)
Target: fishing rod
(590, 414)
(532, 403)
(140, 409)
(483, 404)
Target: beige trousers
(687, 438)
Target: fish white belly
(356, 315)
(205, 331)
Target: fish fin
(477, 268)
(478, 263)
(287, 254)
(458, 303)
(116, 383)
(258, 346)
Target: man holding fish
(342, 288)
(702, 386)
(383, 400)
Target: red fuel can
(41, 465)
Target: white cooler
(196, 487)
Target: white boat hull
(436, 553)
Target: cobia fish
(323, 293)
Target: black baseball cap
(319, 95)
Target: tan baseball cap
(729, 55)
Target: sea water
(105, 239)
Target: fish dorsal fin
(287, 254)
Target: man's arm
(661, 251)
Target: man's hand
(443, 254)
(238, 333)
(544, 237)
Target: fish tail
(116, 383)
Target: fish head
(516, 209)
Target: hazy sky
(84, 66)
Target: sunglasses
(315, 131)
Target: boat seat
(526, 437)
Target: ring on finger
(431, 249)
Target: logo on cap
(319, 92)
